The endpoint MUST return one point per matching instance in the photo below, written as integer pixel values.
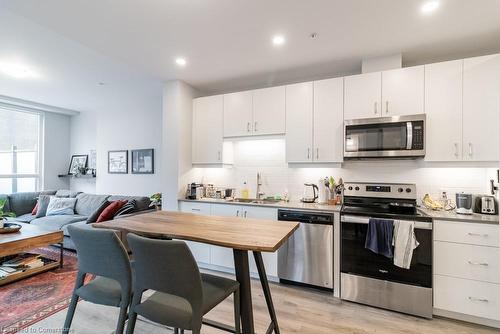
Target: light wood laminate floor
(299, 311)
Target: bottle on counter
(244, 191)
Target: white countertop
(279, 205)
(452, 215)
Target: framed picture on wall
(118, 162)
(77, 161)
(143, 161)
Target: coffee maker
(194, 191)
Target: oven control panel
(385, 190)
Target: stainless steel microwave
(385, 137)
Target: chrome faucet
(259, 193)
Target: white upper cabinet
(481, 108)
(362, 96)
(207, 130)
(299, 122)
(443, 107)
(403, 91)
(238, 114)
(269, 111)
(328, 120)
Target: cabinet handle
(195, 209)
(237, 213)
(470, 150)
(375, 107)
(484, 264)
(456, 150)
(477, 235)
(218, 156)
(248, 127)
(317, 153)
(245, 214)
(474, 299)
(386, 107)
(308, 153)
(255, 126)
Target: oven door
(357, 260)
(399, 136)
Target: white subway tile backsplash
(267, 156)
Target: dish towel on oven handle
(404, 242)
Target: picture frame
(143, 161)
(77, 161)
(118, 162)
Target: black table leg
(61, 255)
(243, 277)
(267, 293)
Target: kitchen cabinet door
(269, 111)
(481, 108)
(201, 251)
(362, 96)
(222, 256)
(207, 130)
(270, 259)
(403, 91)
(238, 114)
(299, 122)
(443, 108)
(328, 120)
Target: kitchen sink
(257, 201)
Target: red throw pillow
(35, 209)
(109, 212)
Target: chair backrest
(167, 266)
(100, 252)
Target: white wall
(56, 148)
(268, 157)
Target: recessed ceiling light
(278, 40)
(17, 70)
(180, 61)
(430, 6)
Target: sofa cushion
(65, 193)
(109, 212)
(141, 202)
(26, 218)
(56, 223)
(6, 208)
(61, 206)
(43, 204)
(95, 215)
(86, 204)
(21, 203)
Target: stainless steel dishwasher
(307, 256)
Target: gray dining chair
(182, 295)
(101, 253)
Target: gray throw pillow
(93, 217)
(126, 209)
(43, 204)
(61, 206)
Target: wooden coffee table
(28, 238)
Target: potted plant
(3, 214)
(156, 201)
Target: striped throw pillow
(127, 208)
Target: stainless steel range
(373, 279)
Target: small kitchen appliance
(486, 205)
(400, 137)
(310, 193)
(194, 191)
(464, 203)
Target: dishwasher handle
(306, 217)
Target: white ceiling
(227, 42)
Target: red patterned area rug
(30, 300)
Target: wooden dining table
(243, 235)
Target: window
(19, 151)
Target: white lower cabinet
(467, 271)
(201, 251)
(221, 257)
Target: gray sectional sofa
(23, 203)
